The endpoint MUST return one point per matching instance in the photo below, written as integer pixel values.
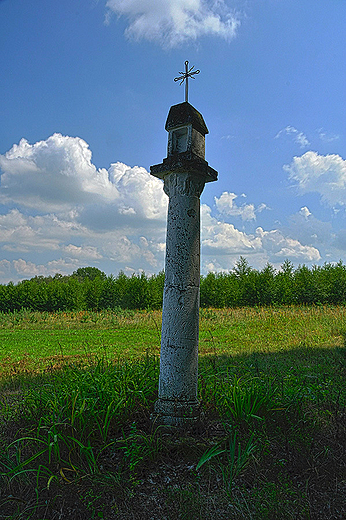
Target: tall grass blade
(212, 452)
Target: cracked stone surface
(180, 319)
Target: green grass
(77, 440)
(34, 341)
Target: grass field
(77, 442)
(34, 341)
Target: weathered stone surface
(185, 162)
(183, 230)
(185, 173)
(179, 340)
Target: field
(77, 440)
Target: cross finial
(185, 77)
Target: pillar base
(176, 413)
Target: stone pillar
(184, 173)
(177, 401)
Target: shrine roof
(184, 113)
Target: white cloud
(172, 22)
(298, 136)
(19, 232)
(86, 252)
(140, 193)
(116, 218)
(322, 174)
(53, 174)
(222, 244)
(278, 246)
(305, 212)
(57, 175)
(50, 236)
(27, 269)
(262, 207)
(124, 250)
(223, 238)
(67, 208)
(22, 233)
(309, 230)
(226, 205)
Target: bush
(88, 288)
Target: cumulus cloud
(309, 230)
(58, 174)
(51, 234)
(141, 194)
(52, 174)
(172, 22)
(298, 136)
(322, 174)
(224, 238)
(22, 233)
(281, 247)
(19, 232)
(226, 205)
(222, 244)
(25, 269)
(86, 252)
(64, 207)
(115, 218)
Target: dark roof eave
(184, 113)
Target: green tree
(91, 273)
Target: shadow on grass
(77, 441)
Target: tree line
(88, 288)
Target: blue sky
(85, 88)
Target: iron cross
(185, 77)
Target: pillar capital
(186, 162)
(184, 184)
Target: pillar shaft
(180, 318)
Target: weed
(76, 439)
(138, 446)
(244, 401)
(235, 460)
